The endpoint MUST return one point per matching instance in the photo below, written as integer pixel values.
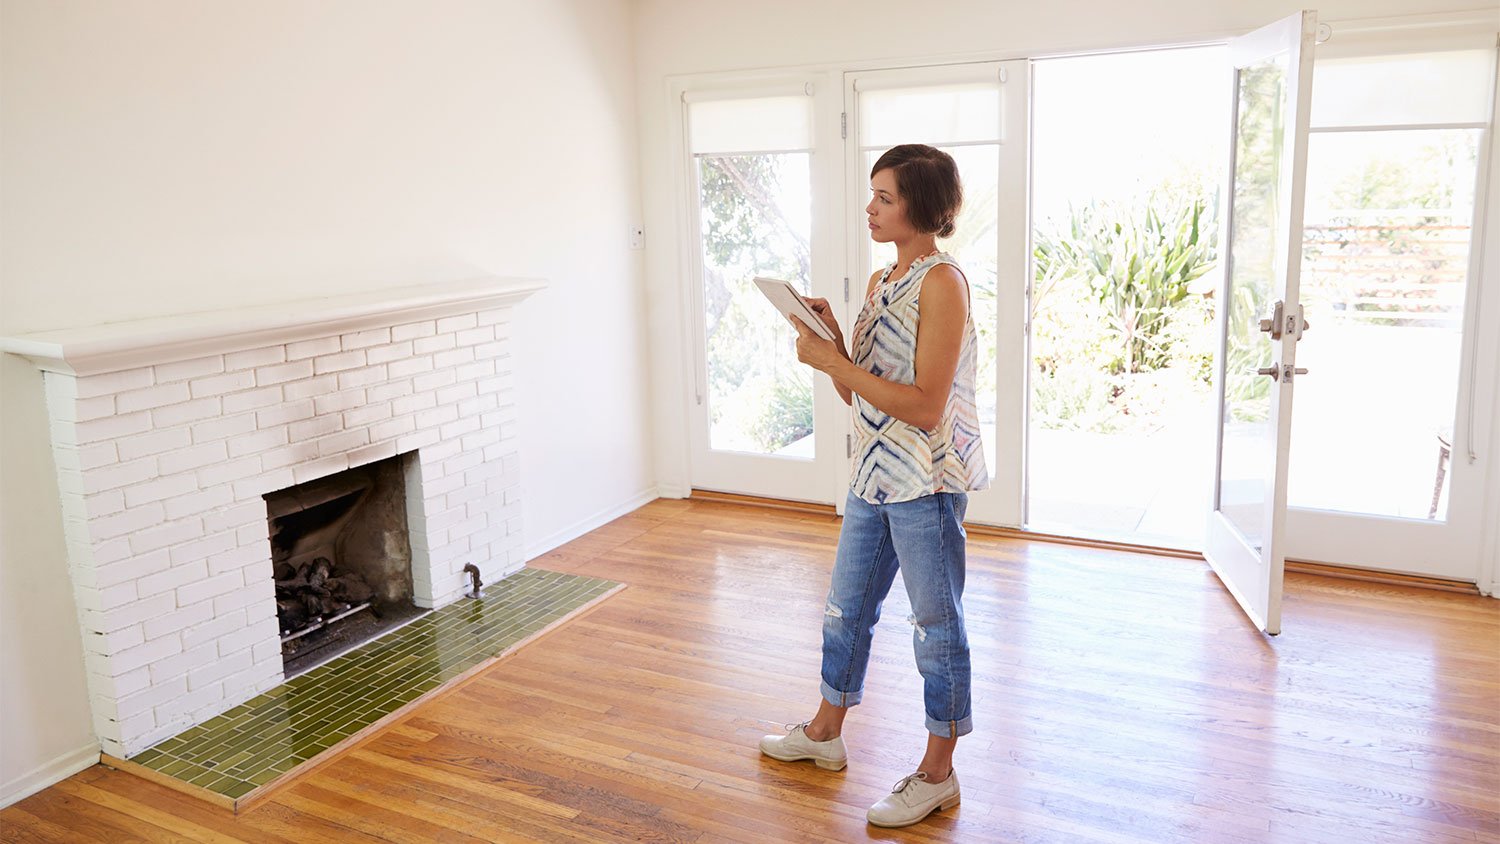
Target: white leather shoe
(796, 746)
(912, 799)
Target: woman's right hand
(825, 313)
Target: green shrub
(788, 413)
(1136, 261)
(1119, 334)
(1075, 397)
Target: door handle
(1278, 373)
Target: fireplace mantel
(110, 347)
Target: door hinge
(846, 289)
(843, 124)
(848, 445)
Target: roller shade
(751, 124)
(1445, 87)
(947, 115)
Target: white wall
(686, 37)
(181, 156)
(45, 727)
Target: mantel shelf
(115, 346)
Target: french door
(761, 160)
(1384, 463)
(761, 423)
(977, 113)
(1260, 318)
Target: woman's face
(887, 210)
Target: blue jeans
(924, 538)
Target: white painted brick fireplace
(167, 432)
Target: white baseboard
(673, 491)
(587, 524)
(49, 773)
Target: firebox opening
(341, 558)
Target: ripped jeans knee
(921, 631)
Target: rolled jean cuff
(951, 729)
(838, 698)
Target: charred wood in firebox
(350, 588)
(291, 615)
(312, 590)
(319, 572)
(312, 604)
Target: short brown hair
(927, 179)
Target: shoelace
(802, 726)
(906, 780)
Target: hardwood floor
(1118, 698)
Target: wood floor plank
(19, 825)
(151, 814)
(184, 815)
(519, 794)
(90, 821)
(1119, 698)
(358, 812)
(468, 812)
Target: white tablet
(786, 299)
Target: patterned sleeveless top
(893, 460)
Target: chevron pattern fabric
(895, 461)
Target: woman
(910, 380)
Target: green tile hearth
(259, 740)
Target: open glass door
(1260, 319)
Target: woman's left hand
(812, 349)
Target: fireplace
(341, 560)
(174, 438)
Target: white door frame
(775, 476)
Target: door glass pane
(756, 219)
(1385, 265)
(1248, 433)
(974, 241)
